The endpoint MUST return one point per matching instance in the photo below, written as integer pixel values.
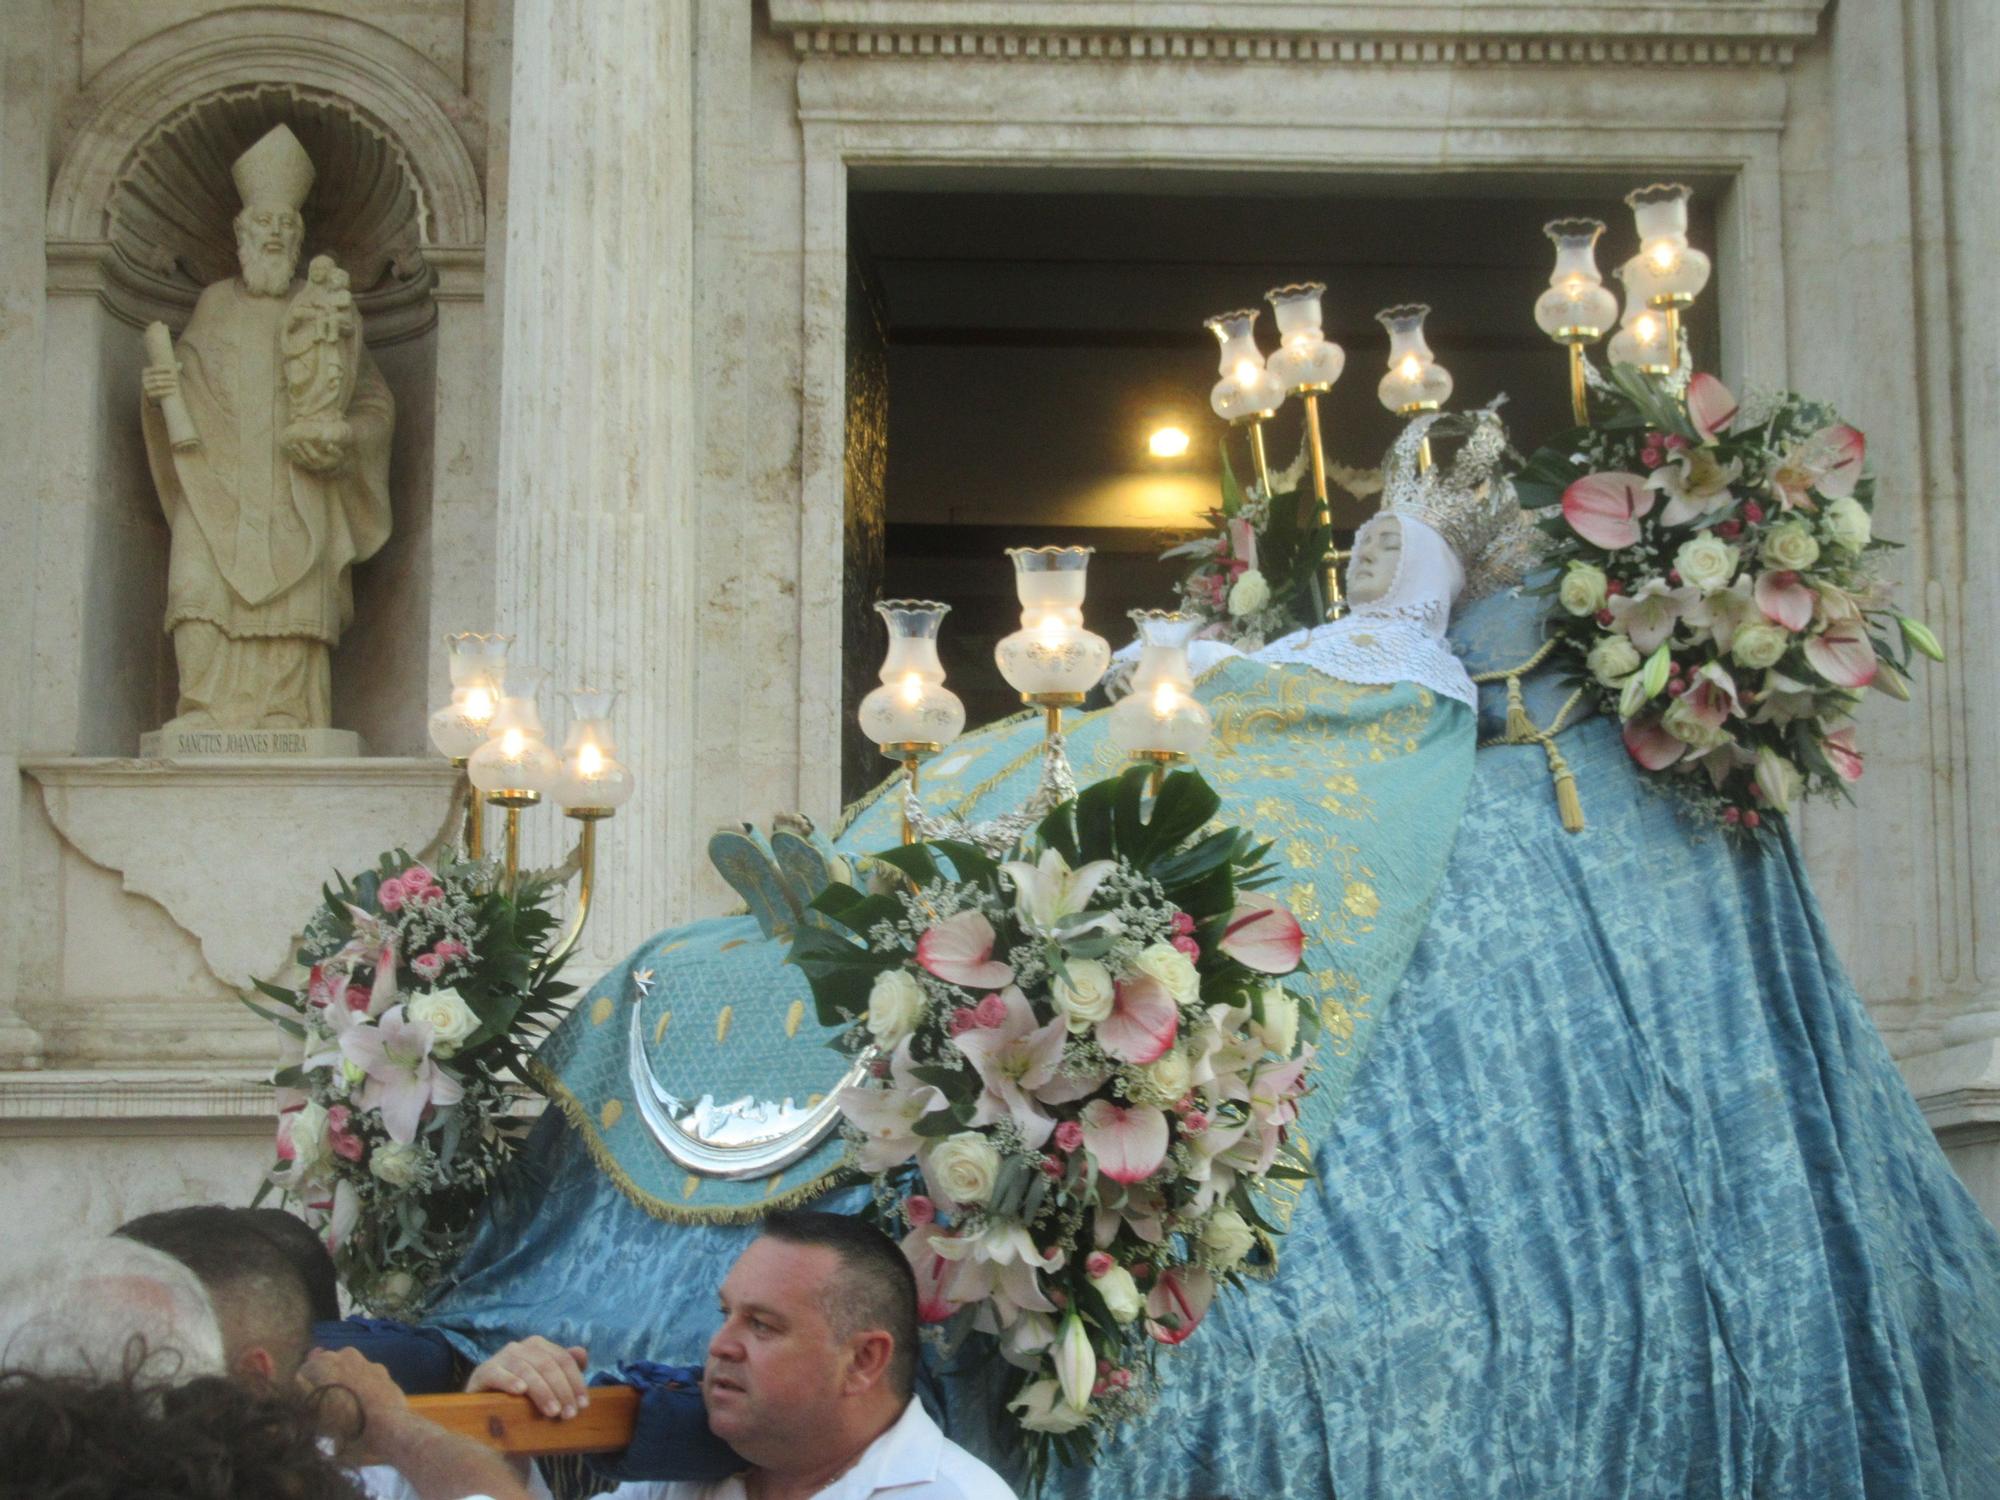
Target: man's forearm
(441, 1465)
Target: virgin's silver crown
(1470, 502)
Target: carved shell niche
(173, 206)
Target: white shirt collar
(908, 1453)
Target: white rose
(1778, 779)
(1279, 1026)
(1706, 561)
(1584, 590)
(1086, 996)
(1166, 963)
(395, 1291)
(1122, 1298)
(1170, 1074)
(895, 1006)
(1848, 524)
(451, 1020)
(966, 1166)
(1681, 721)
(1612, 660)
(306, 1131)
(1759, 644)
(1790, 546)
(396, 1164)
(1249, 594)
(1227, 1238)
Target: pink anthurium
(1842, 754)
(1843, 655)
(1178, 1302)
(935, 1302)
(1710, 406)
(1143, 1022)
(1784, 600)
(1843, 449)
(1015, 1060)
(1263, 935)
(1647, 742)
(1604, 509)
(1129, 1141)
(959, 950)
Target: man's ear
(256, 1367)
(868, 1358)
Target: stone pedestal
(594, 535)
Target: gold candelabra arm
(1336, 603)
(1257, 456)
(513, 802)
(585, 858)
(1578, 389)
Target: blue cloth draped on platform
(1627, 1200)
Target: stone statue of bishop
(267, 428)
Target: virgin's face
(1377, 554)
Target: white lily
(1050, 890)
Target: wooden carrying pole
(512, 1424)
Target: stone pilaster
(594, 536)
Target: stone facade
(612, 296)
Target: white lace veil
(1398, 637)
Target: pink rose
(391, 895)
(417, 877)
(1051, 1167)
(990, 1012)
(338, 1117)
(1675, 442)
(1752, 512)
(1069, 1135)
(1189, 947)
(358, 998)
(348, 1147)
(1195, 1122)
(963, 1020)
(448, 949)
(1183, 924)
(918, 1209)
(1097, 1264)
(427, 965)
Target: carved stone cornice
(1412, 33)
(69, 1101)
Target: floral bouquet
(423, 993)
(1718, 589)
(1084, 1067)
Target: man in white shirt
(811, 1376)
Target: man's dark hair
(308, 1253)
(256, 1283)
(209, 1439)
(877, 1288)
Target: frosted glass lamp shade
(1641, 339)
(912, 707)
(516, 756)
(592, 776)
(1051, 655)
(1666, 271)
(1416, 381)
(1247, 389)
(478, 666)
(1160, 714)
(1305, 359)
(1577, 308)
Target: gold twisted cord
(1523, 730)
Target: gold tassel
(1519, 726)
(1568, 804)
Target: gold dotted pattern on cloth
(722, 1019)
(732, 943)
(792, 1018)
(613, 1111)
(691, 1186)
(772, 1186)
(601, 1011)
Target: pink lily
(1604, 509)
(933, 1272)
(1138, 1209)
(1829, 461)
(959, 950)
(1724, 612)
(1128, 1141)
(1783, 700)
(1647, 742)
(1263, 935)
(1016, 1061)
(1784, 600)
(1000, 1265)
(1143, 1022)
(1647, 616)
(1178, 1302)
(887, 1117)
(1695, 485)
(403, 1080)
(1711, 408)
(1842, 753)
(1843, 655)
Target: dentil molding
(1437, 33)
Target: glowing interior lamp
(478, 669)
(1160, 718)
(1667, 271)
(1167, 442)
(1247, 390)
(1416, 381)
(516, 764)
(1577, 308)
(593, 781)
(912, 712)
(1051, 658)
(1642, 339)
(1305, 359)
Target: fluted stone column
(594, 532)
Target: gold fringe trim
(1523, 730)
(580, 1120)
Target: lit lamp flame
(512, 743)
(1051, 631)
(1646, 327)
(1166, 698)
(478, 705)
(1663, 256)
(1411, 368)
(589, 760)
(912, 688)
